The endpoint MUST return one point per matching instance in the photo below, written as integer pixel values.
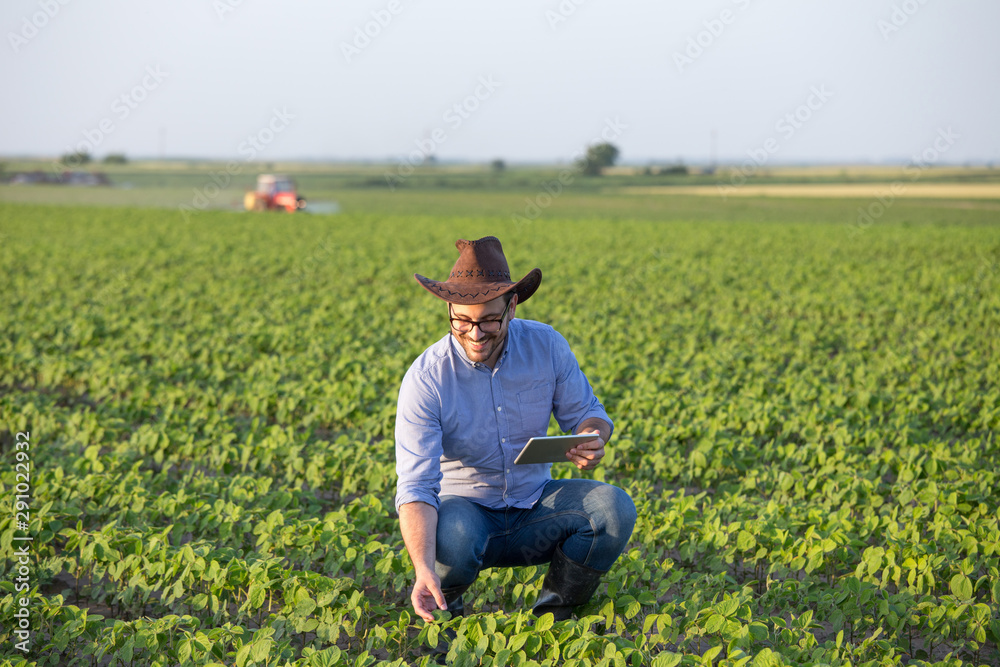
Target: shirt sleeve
(574, 399)
(418, 443)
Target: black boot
(567, 585)
(453, 598)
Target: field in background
(807, 408)
(219, 185)
(888, 191)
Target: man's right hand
(427, 596)
(418, 523)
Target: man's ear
(513, 306)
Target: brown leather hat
(480, 275)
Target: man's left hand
(587, 455)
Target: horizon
(459, 161)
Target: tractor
(274, 192)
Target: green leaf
(714, 623)
(184, 650)
(260, 649)
(482, 646)
(961, 587)
(647, 624)
(995, 630)
(758, 630)
(305, 607)
(257, 595)
(765, 658)
(518, 640)
(727, 607)
(129, 647)
(329, 657)
(710, 654)
(667, 659)
(745, 540)
(177, 592)
(242, 655)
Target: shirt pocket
(535, 407)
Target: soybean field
(807, 414)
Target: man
(467, 406)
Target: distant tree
(675, 170)
(597, 157)
(497, 166)
(115, 158)
(75, 159)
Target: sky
(802, 81)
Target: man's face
(479, 346)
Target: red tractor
(274, 192)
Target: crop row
(806, 421)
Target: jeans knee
(627, 513)
(615, 512)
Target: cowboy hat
(481, 274)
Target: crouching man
(467, 406)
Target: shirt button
(499, 408)
(508, 470)
(503, 439)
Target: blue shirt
(461, 424)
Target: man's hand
(427, 596)
(587, 455)
(418, 523)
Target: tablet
(551, 448)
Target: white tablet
(551, 448)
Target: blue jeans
(592, 521)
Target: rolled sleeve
(574, 400)
(418, 443)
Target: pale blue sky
(883, 78)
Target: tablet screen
(551, 448)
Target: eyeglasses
(486, 326)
